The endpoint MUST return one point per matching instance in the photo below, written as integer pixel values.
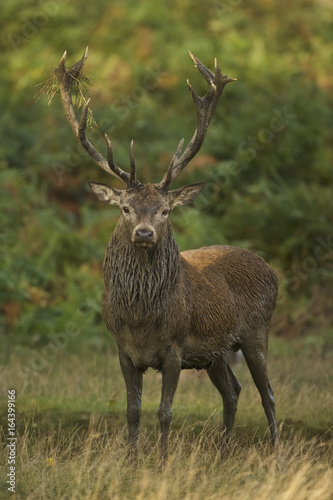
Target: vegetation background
(267, 161)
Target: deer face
(145, 208)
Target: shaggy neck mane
(141, 280)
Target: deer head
(144, 207)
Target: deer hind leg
(256, 358)
(228, 386)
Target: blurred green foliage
(267, 158)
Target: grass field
(71, 431)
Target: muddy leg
(256, 361)
(133, 381)
(170, 377)
(228, 386)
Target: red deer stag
(169, 310)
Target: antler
(66, 77)
(205, 107)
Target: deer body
(169, 310)
(206, 301)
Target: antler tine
(66, 77)
(205, 107)
(113, 167)
(132, 163)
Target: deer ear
(185, 195)
(105, 193)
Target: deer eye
(125, 210)
(165, 213)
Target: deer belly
(200, 355)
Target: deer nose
(144, 235)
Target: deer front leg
(170, 376)
(133, 381)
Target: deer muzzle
(144, 236)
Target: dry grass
(93, 465)
(72, 433)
